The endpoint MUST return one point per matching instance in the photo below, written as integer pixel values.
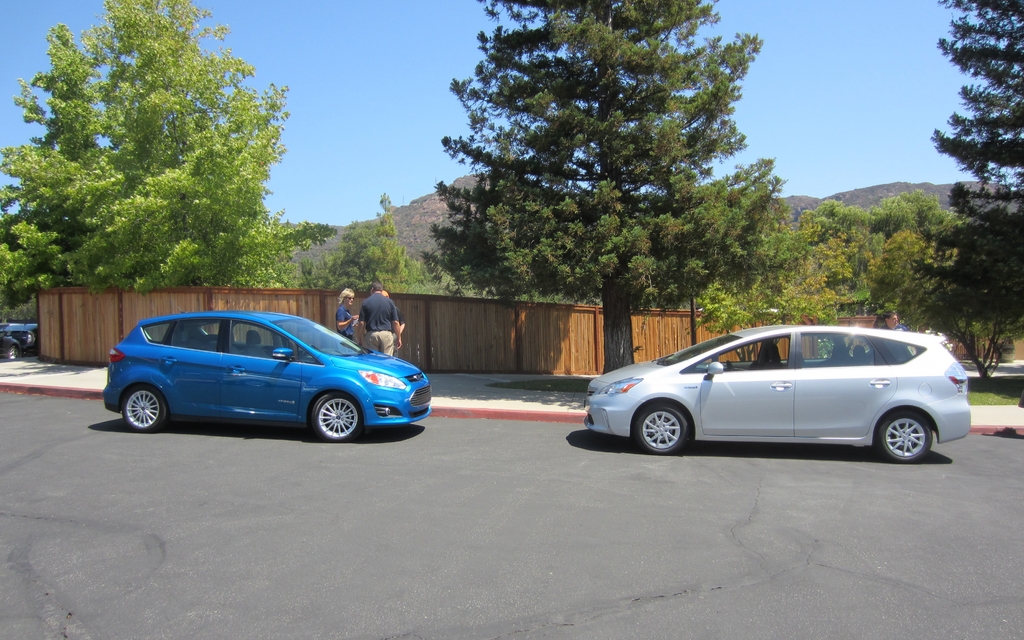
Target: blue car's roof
(268, 316)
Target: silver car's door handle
(880, 383)
(781, 386)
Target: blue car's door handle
(169, 360)
(236, 370)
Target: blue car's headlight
(621, 386)
(383, 380)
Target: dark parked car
(20, 340)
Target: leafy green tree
(895, 281)
(980, 271)
(367, 251)
(843, 246)
(796, 288)
(595, 130)
(152, 165)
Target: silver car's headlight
(383, 380)
(620, 386)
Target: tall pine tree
(979, 296)
(596, 126)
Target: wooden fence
(442, 334)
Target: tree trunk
(618, 327)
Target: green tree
(842, 247)
(367, 251)
(795, 288)
(595, 130)
(979, 276)
(151, 171)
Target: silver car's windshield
(319, 337)
(696, 350)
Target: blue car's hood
(377, 362)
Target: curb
(509, 414)
(54, 392)
(563, 417)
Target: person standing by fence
(401, 322)
(344, 318)
(380, 317)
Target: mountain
(413, 220)
(871, 196)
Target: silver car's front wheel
(144, 409)
(660, 429)
(336, 418)
(904, 437)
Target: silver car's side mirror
(714, 369)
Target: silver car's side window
(771, 353)
(819, 350)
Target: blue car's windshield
(696, 350)
(319, 337)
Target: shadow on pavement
(261, 432)
(602, 443)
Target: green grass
(570, 385)
(989, 391)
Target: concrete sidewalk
(455, 395)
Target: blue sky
(844, 94)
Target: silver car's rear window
(896, 352)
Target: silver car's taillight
(956, 374)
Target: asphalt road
(464, 528)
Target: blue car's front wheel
(336, 418)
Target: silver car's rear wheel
(336, 418)
(904, 436)
(144, 409)
(660, 429)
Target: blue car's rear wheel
(144, 409)
(336, 418)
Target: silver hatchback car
(896, 390)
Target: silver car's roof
(905, 336)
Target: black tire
(661, 429)
(144, 409)
(12, 352)
(336, 418)
(903, 437)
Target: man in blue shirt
(379, 316)
(892, 321)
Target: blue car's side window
(200, 334)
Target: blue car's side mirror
(283, 353)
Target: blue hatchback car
(259, 367)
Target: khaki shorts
(383, 341)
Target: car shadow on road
(592, 441)
(261, 432)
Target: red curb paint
(54, 392)
(987, 431)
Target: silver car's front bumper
(610, 414)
